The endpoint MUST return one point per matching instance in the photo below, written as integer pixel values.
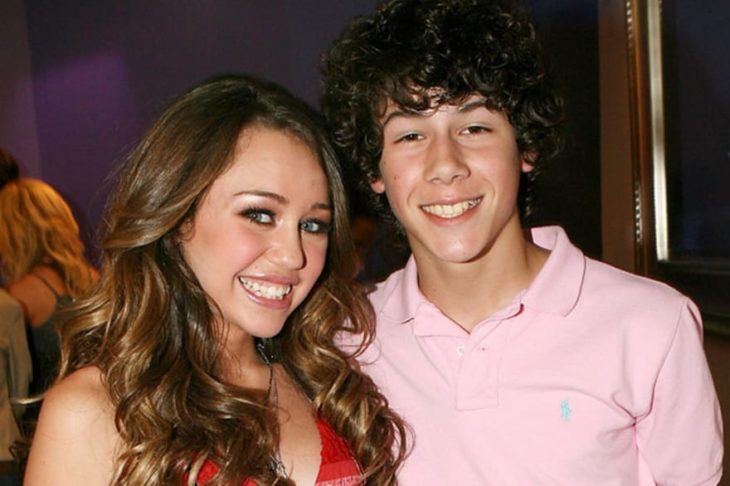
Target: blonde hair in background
(37, 227)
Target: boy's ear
(528, 162)
(377, 185)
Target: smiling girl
(205, 355)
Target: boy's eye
(315, 226)
(409, 137)
(259, 216)
(475, 129)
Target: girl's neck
(241, 363)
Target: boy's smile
(451, 211)
(451, 175)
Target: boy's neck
(468, 293)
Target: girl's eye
(409, 137)
(259, 216)
(315, 226)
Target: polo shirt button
(460, 350)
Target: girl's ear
(184, 231)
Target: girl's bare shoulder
(80, 396)
(75, 438)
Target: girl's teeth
(450, 210)
(274, 292)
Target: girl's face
(258, 241)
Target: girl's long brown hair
(149, 328)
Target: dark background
(81, 80)
(697, 101)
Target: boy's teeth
(267, 291)
(450, 210)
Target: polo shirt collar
(555, 290)
(557, 286)
(405, 299)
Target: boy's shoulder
(607, 282)
(644, 311)
(575, 280)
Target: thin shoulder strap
(46, 282)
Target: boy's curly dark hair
(425, 53)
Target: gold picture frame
(706, 281)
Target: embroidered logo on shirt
(565, 410)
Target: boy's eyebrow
(465, 108)
(400, 113)
(472, 105)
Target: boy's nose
(445, 163)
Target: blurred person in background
(43, 265)
(15, 364)
(15, 375)
(9, 170)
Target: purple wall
(17, 114)
(89, 76)
(103, 70)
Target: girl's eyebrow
(324, 206)
(267, 194)
(280, 199)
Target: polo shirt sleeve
(680, 439)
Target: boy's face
(451, 176)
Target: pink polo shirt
(592, 376)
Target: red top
(336, 468)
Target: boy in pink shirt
(515, 359)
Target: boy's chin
(454, 252)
